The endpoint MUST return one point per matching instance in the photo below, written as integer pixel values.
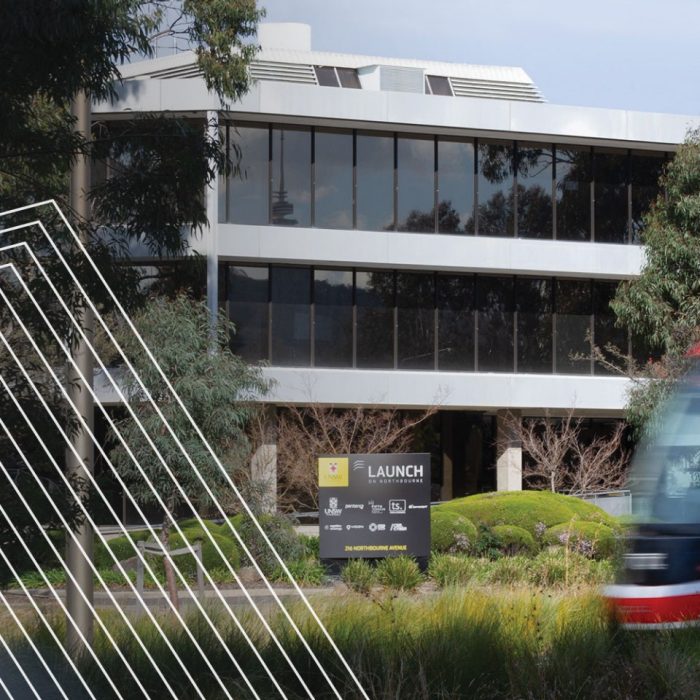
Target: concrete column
(212, 248)
(263, 465)
(509, 452)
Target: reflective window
(416, 184)
(375, 182)
(291, 177)
(495, 189)
(291, 317)
(606, 333)
(455, 300)
(494, 299)
(247, 306)
(573, 326)
(611, 220)
(439, 85)
(535, 183)
(455, 186)
(573, 193)
(415, 299)
(247, 191)
(332, 318)
(333, 179)
(374, 294)
(534, 306)
(645, 171)
(349, 78)
(326, 76)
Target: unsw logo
(333, 509)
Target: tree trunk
(169, 571)
(551, 479)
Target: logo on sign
(398, 527)
(333, 471)
(334, 510)
(397, 506)
(377, 527)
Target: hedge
(595, 540)
(514, 540)
(451, 532)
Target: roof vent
(400, 79)
(294, 36)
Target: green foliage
(306, 572)
(594, 540)
(122, 548)
(401, 573)
(310, 544)
(525, 509)
(514, 540)
(510, 571)
(451, 532)
(450, 570)
(358, 575)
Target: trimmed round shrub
(401, 573)
(591, 539)
(210, 557)
(514, 540)
(120, 546)
(529, 510)
(451, 532)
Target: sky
(627, 54)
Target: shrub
(514, 540)
(449, 570)
(487, 543)
(526, 509)
(358, 575)
(401, 573)
(451, 532)
(510, 570)
(306, 572)
(593, 540)
(556, 567)
(310, 544)
(120, 546)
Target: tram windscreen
(665, 477)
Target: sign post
(374, 505)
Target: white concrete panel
(533, 394)
(428, 251)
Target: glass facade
(379, 181)
(383, 319)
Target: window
(438, 85)
(349, 78)
(374, 294)
(611, 220)
(375, 182)
(573, 193)
(333, 318)
(534, 306)
(247, 196)
(573, 326)
(645, 171)
(415, 299)
(494, 299)
(333, 179)
(291, 177)
(455, 186)
(455, 301)
(416, 184)
(326, 76)
(534, 192)
(495, 189)
(604, 328)
(330, 76)
(247, 308)
(291, 305)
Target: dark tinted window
(534, 305)
(573, 325)
(455, 187)
(494, 298)
(348, 78)
(291, 177)
(645, 171)
(439, 85)
(375, 319)
(573, 193)
(416, 184)
(455, 299)
(375, 182)
(333, 318)
(606, 333)
(248, 190)
(611, 196)
(247, 305)
(495, 189)
(535, 184)
(291, 304)
(326, 76)
(333, 179)
(415, 299)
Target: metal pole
(77, 468)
